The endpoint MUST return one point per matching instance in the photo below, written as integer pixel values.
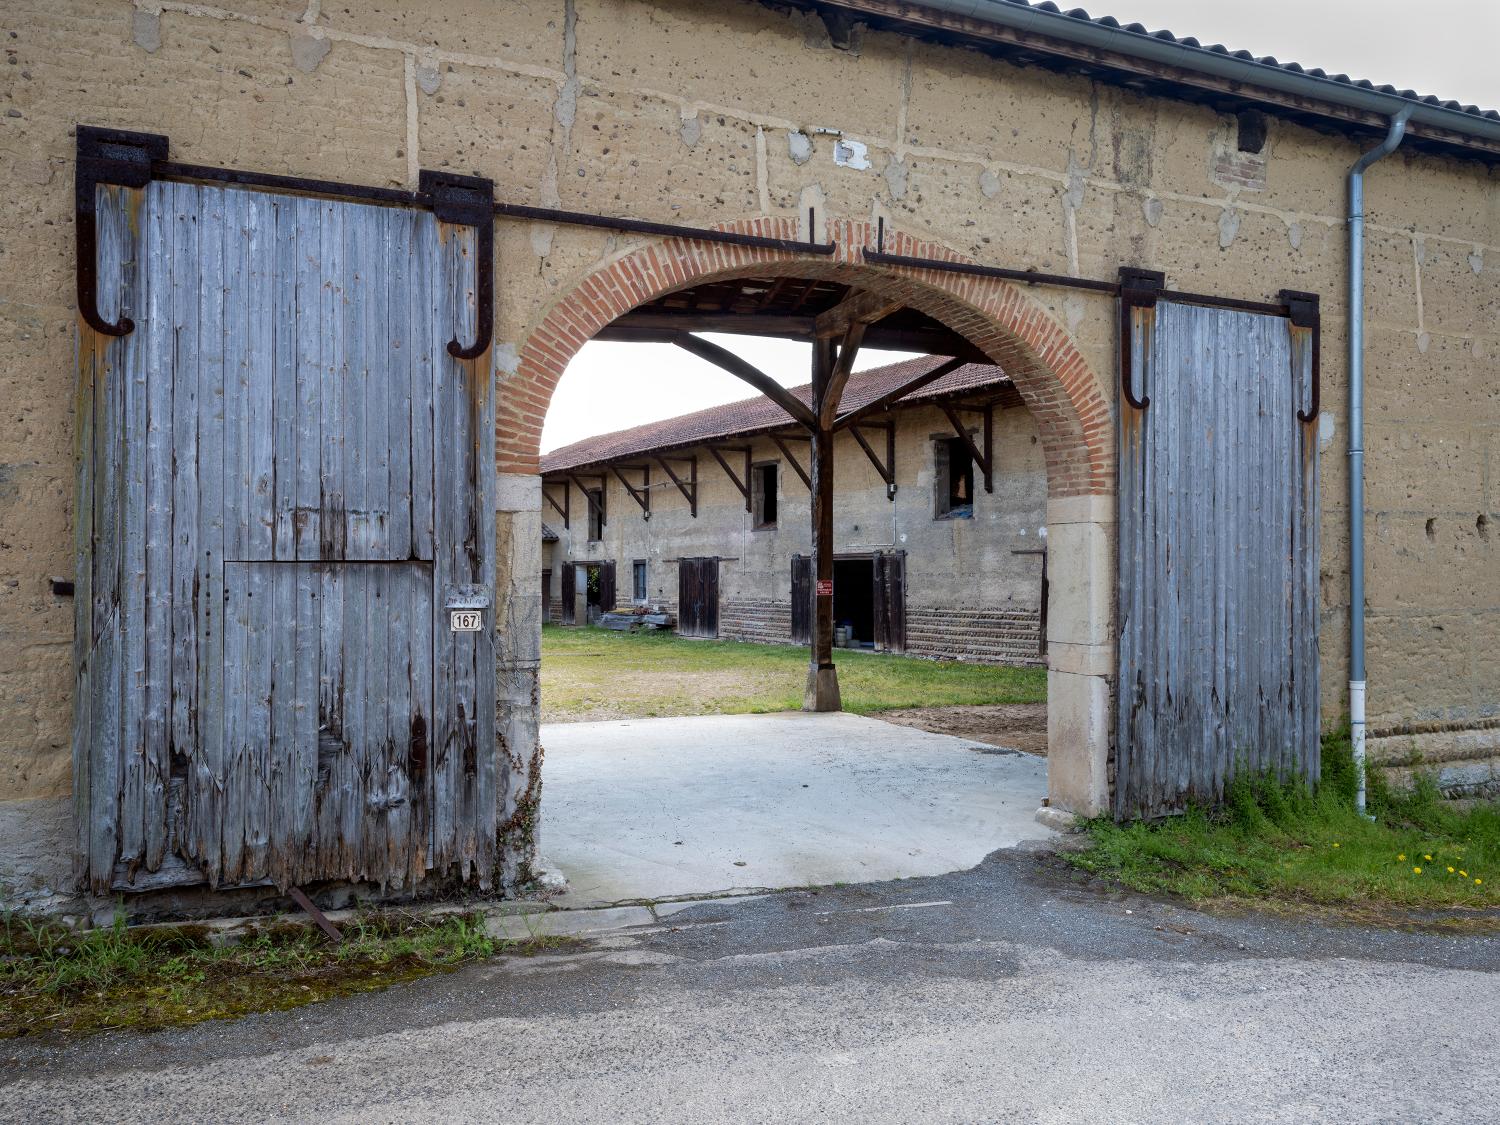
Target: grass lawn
(592, 673)
(56, 980)
(1279, 843)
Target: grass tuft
(53, 979)
(1284, 841)
(591, 673)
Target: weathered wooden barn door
(607, 592)
(698, 597)
(890, 600)
(569, 594)
(1218, 555)
(286, 484)
(802, 599)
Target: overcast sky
(1446, 47)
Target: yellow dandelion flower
(1479, 882)
(1335, 843)
(1416, 871)
(1465, 874)
(1450, 871)
(1428, 858)
(1401, 856)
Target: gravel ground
(1015, 726)
(1012, 991)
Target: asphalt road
(1002, 993)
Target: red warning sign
(825, 587)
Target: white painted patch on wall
(429, 77)
(1294, 235)
(1327, 425)
(989, 184)
(1229, 226)
(851, 154)
(309, 49)
(1476, 260)
(691, 131)
(1424, 341)
(800, 147)
(1152, 209)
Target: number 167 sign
(465, 620)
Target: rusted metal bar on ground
(315, 914)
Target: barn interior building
(939, 520)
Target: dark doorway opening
(854, 602)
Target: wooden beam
(838, 377)
(985, 459)
(743, 486)
(863, 307)
(822, 692)
(562, 509)
(899, 393)
(886, 468)
(648, 326)
(689, 489)
(642, 495)
(792, 460)
(741, 369)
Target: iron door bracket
(1303, 311)
(1139, 289)
(469, 201)
(105, 156)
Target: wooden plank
(186, 360)
(330, 392)
(379, 363)
(310, 324)
(133, 439)
(206, 775)
(299, 817)
(284, 400)
(425, 352)
(156, 330)
(89, 362)
(398, 380)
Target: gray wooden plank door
(287, 480)
(1218, 558)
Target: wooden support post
(822, 677)
(689, 488)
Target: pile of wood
(635, 618)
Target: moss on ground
(1420, 859)
(55, 980)
(590, 673)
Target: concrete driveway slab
(660, 808)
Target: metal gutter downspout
(1357, 445)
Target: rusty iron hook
(105, 156)
(469, 201)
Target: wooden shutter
(802, 599)
(710, 587)
(606, 586)
(890, 601)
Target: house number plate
(465, 620)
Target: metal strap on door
(1218, 548)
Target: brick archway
(1065, 398)
(998, 317)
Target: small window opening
(763, 495)
(638, 581)
(1252, 131)
(596, 513)
(955, 480)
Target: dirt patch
(1017, 726)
